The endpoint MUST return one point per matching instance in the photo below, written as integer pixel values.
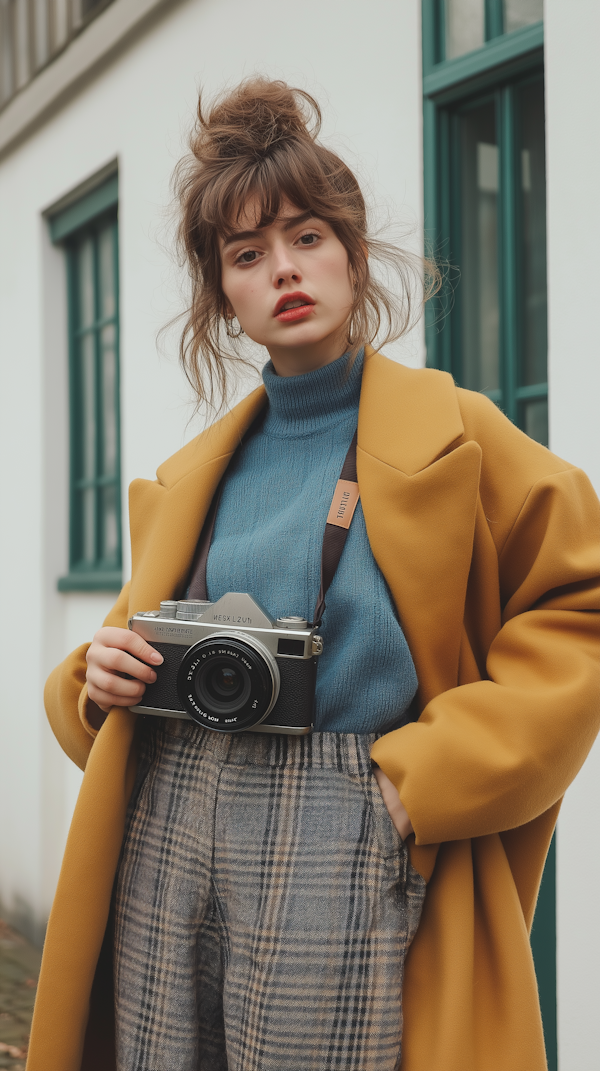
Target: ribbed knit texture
(268, 538)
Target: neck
(296, 360)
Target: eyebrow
(243, 236)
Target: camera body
(229, 667)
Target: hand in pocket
(396, 809)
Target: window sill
(99, 581)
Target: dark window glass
(479, 306)
(493, 211)
(530, 114)
(95, 490)
(532, 368)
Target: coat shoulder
(501, 440)
(217, 439)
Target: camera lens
(225, 681)
(228, 682)
(222, 685)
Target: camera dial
(228, 682)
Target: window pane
(535, 420)
(478, 288)
(95, 392)
(109, 400)
(533, 239)
(106, 267)
(86, 466)
(86, 311)
(465, 26)
(520, 13)
(110, 529)
(88, 525)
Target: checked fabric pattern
(264, 906)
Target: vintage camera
(229, 667)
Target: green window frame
(87, 231)
(502, 74)
(493, 75)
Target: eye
(249, 256)
(309, 239)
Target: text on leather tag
(345, 498)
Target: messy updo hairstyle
(259, 142)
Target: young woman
(265, 888)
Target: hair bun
(256, 117)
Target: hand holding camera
(119, 668)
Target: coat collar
(408, 417)
(418, 490)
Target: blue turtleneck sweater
(268, 538)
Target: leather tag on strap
(343, 503)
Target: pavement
(19, 970)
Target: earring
(229, 328)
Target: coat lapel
(419, 490)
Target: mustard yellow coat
(490, 546)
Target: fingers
(395, 807)
(115, 655)
(112, 684)
(125, 640)
(116, 661)
(108, 690)
(105, 700)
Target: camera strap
(343, 504)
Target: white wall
(573, 94)
(362, 61)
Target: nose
(285, 268)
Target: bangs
(298, 174)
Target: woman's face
(290, 287)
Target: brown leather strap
(334, 538)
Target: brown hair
(260, 141)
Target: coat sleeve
(493, 754)
(66, 698)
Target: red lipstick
(303, 306)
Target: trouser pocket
(411, 885)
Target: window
(87, 231)
(486, 210)
(484, 170)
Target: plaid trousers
(264, 906)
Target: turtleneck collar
(315, 401)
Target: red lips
(293, 314)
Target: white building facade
(96, 101)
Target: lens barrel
(228, 682)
